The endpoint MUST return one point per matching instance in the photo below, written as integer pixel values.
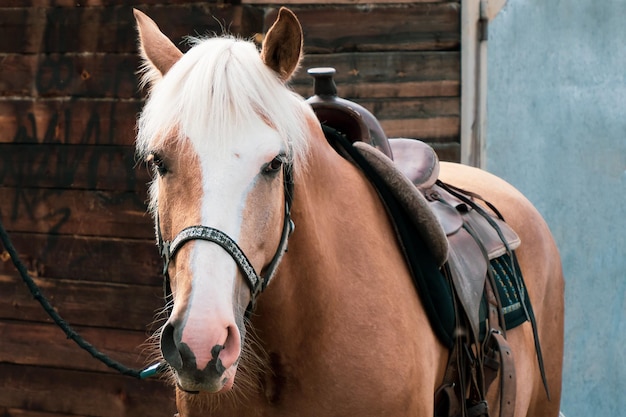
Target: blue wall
(557, 131)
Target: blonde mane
(219, 85)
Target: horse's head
(222, 132)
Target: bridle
(256, 283)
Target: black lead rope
(67, 329)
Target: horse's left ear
(282, 47)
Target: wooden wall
(73, 198)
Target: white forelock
(218, 86)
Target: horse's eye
(155, 161)
(275, 165)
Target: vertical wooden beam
(475, 17)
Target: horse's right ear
(158, 52)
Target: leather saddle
(461, 235)
(454, 231)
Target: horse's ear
(157, 51)
(282, 46)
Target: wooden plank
(104, 122)
(257, 3)
(87, 258)
(377, 67)
(428, 119)
(82, 303)
(83, 393)
(16, 75)
(392, 90)
(84, 3)
(448, 151)
(17, 412)
(412, 108)
(112, 29)
(75, 74)
(108, 122)
(404, 27)
(27, 343)
(69, 121)
(75, 212)
(440, 129)
(360, 2)
(113, 75)
(386, 75)
(94, 167)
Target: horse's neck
(332, 204)
(339, 256)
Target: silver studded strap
(229, 245)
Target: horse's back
(541, 267)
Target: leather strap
(210, 234)
(498, 355)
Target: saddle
(449, 241)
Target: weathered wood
(88, 258)
(76, 74)
(257, 3)
(75, 212)
(393, 90)
(377, 75)
(110, 121)
(107, 168)
(440, 129)
(98, 304)
(69, 121)
(414, 74)
(83, 393)
(112, 29)
(361, 2)
(406, 27)
(28, 343)
(412, 108)
(16, 412)
(378, 67)
(449, 151)
(429, 119)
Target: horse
(331, 325)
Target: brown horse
(340, 330)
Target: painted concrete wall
(557, 130)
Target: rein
(59, 321)
(256, 283)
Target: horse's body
(340, 331)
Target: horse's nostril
(216, 361)
(191, 359)
(169, 347)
